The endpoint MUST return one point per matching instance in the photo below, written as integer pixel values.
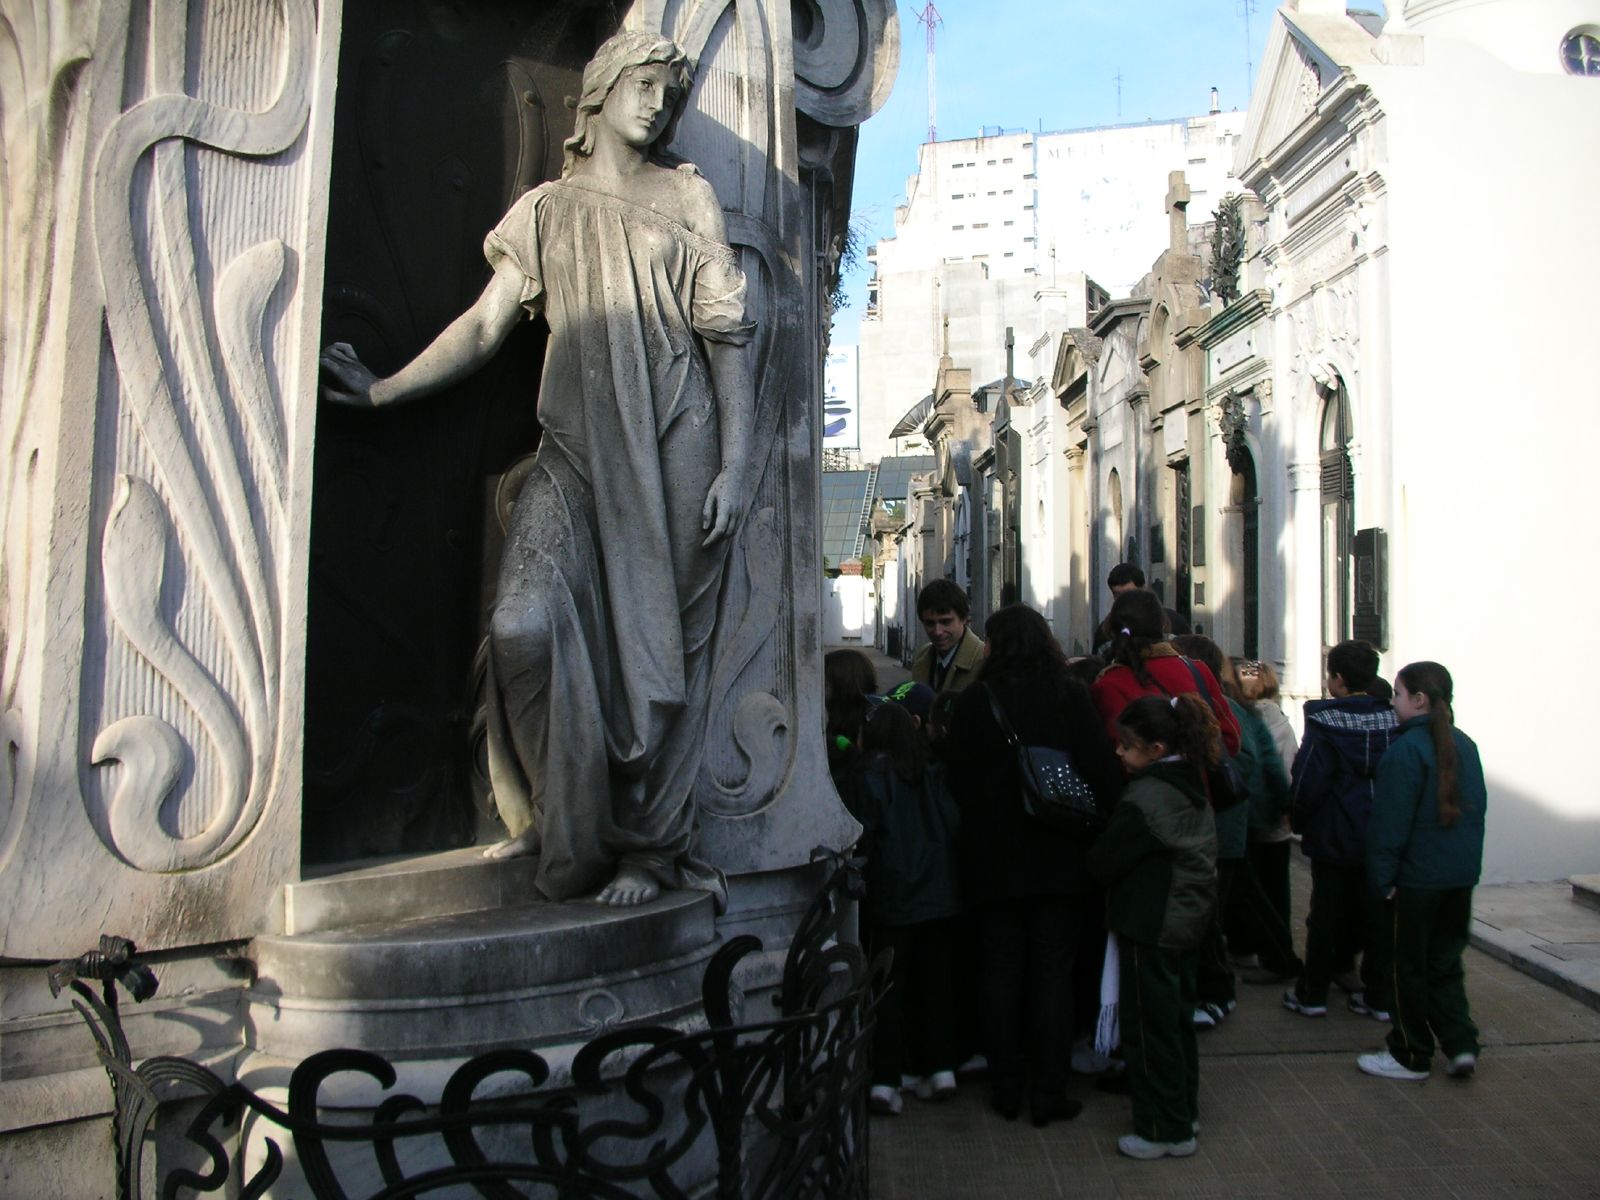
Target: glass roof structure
(844, 497)
(894, 475)
(844, 494)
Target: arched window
(1338, 516)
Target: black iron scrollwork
(780, 1103)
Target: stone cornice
(1114, 311)
(1246, 310)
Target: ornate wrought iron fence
(780, 1103)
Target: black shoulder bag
(1053, 791)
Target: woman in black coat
(1028, 885)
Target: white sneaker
(1383, 1065)
(1202, 1020)
(1135, 1146)
(1358, 1005)
(1294, 1004)
(941, 1085)
(886, 1100)
(910, 1083)
(976, 1065)
(1462, 1065)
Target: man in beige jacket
(951, 659)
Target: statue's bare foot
(629, 886)
(521, 846)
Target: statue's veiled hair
(630, 48)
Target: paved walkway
(1286, 1113)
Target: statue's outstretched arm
(466, 344)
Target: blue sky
(1023, 64)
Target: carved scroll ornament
(215, 495)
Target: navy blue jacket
(1334, 776)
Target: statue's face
(638, 108)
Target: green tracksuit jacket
(1158, 858)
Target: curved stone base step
(396, 889)
(461, 983)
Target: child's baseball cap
(915, 698)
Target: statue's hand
(723, 506)
(346, 379)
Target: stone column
(164, 201)
(768, 123)
(1302, 648)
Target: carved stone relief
(45, 59)
(757, 793)
(1327, 329)
(173, 547)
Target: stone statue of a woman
(603, 626)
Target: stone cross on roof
(1177, 213)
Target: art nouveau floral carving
(192, 365)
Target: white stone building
(1417, 175)
(990, 221)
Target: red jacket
(1117, 688)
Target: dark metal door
(445, 114)
(1182, 569)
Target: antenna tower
(1247, 7)
(929, 16)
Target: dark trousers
(1344, 920)
(1088, 965)
(1213, 972)
(967, 932)
(1270, 862)
(1273, 939)
(915, 1033)
(1430, 995)
(1026, 993)
(1156, 1014)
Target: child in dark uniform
(1424, 856)
(1158, 861)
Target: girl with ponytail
(1158, 862)
(1424, 856)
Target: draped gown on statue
(601, 636)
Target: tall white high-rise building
(991, 221)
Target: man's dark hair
(943, 596)
(1123, 574)
(1356, 663)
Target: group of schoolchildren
(998, 922)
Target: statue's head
(630, 48)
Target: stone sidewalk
(1548, 930)
(1286, 1113)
